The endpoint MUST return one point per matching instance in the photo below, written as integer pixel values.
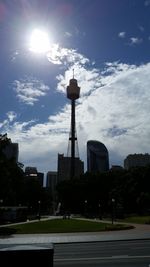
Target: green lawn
(64, 226)
(138, 219)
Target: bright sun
(39, 41)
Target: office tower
(136, 160)
(51, 183)
(64, 167)
(97, 157)
(116, 168)
(33, 173)
(40, 177)
(51, 180)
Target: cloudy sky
(107, 43)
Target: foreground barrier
(26, 255)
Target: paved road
(129, 253)
(121, 253)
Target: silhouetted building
(97, 157)
(40, 177)
(51, 180)
(32, 172)
(116, 168)
(51, 183)
(136, 160)
(64, 165)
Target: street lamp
(100, 211)
(39, 211)
(113, 202)
(85, 207)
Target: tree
(11, 176)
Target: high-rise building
(64, 167)
(97, 157)
(136, 160)
(32, 172)
(116, 168)
(51, 179)
(51, 182)
(40, 176)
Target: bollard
(26, 255)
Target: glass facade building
(97, 157)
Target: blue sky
(107, 43)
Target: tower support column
(72, 138)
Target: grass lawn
(138, 219)
(64, 226)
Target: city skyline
(107, 44)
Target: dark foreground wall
(26, 255)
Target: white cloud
(135, 40)
(3, 124)
(113, 108)
(58, 55)
(122, 34)
(29, 90)
(11, 115)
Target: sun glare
(39, 41)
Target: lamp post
(85, 208)
(113, 203)
(39, 211)
(100, 211)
